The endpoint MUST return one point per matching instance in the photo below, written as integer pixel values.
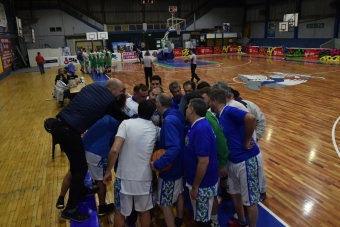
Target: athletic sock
(214, 217)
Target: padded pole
(336, 21)
(297, 10)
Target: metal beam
(103, 11)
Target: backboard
(103, 35)
(292, 19)
(91, 36)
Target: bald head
(115, 86)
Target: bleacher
(303, 43)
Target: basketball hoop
(281, 30)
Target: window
(58, 29)
(52, 29)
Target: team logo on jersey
(186, 141)
(274, 80)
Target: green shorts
(108, 64)
(82, 63)
(87, 63)
(93, 64)
(100, 64)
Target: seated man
(61, 72)
(61, 91)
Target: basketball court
(300, 147)
(301, 162)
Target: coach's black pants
(193, 74)
(72, 144)
(148, 75)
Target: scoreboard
(148, 1)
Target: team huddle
(211, 141)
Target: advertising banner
(65, 51)
(65, 60)
(129, 56)
(226, 27)
(252, 50)
(177, 52)
(116, 57)
(51, 61)
(278, 52)
(271, 29)
(310, 53)
(6, 54)
(232, 49)
(204, 50)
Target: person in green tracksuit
(108, 58)
(93, 61)
(100, 61)
(221, 141)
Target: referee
(148, 67)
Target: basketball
(156, 155)
(186, 60)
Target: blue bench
(88, 206)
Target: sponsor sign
(278, 52)
(178, 52)
(310, 53)
(6, 54)
(65, 60)
(252, 50)
(204, 50)
(232, 49)
(129, 56)
(51, 61)
(116, 57)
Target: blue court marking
(179, 63)
(226, 212)
(99, 78)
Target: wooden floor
(301, 164)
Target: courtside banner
(129, 56)
(65, 60)
(116, 57)
(204, 50)
(178, 52)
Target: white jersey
(147, 61)
(134, 157)
(131, 107)
(85, 56)
(193, 58)
(238, 105)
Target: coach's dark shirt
(90, 105)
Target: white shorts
(203, 205)
(124, 203)
(96, 165)
(168, 191)
(246, 178)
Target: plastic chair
(48, 127)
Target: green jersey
(108, 56)
(222, 148)
(100, 57)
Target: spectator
(40, 61)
